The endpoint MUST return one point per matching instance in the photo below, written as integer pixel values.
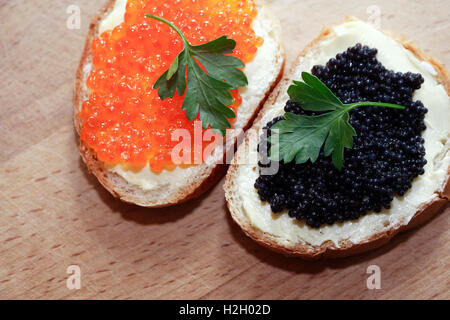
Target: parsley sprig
(301, 137)
(207, 93)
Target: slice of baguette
(171, 187)
(428, 194)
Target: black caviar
(387, 155)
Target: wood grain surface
(55, 214)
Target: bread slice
(428, 194)
(146, 188)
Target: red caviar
(124, 120)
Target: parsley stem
(352, 106)
(170, 24)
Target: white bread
(146, 188)
(428, 194)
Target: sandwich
(351, 148)
(136, 98)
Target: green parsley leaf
(207, 93)
(313, 95)
(301, 137)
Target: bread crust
(346, 248)
(114, 183)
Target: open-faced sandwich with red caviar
(350, 149)
(164, 88)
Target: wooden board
(55, 214)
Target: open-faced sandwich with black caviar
(161, 84)
(350, 149)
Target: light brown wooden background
(54, 214)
